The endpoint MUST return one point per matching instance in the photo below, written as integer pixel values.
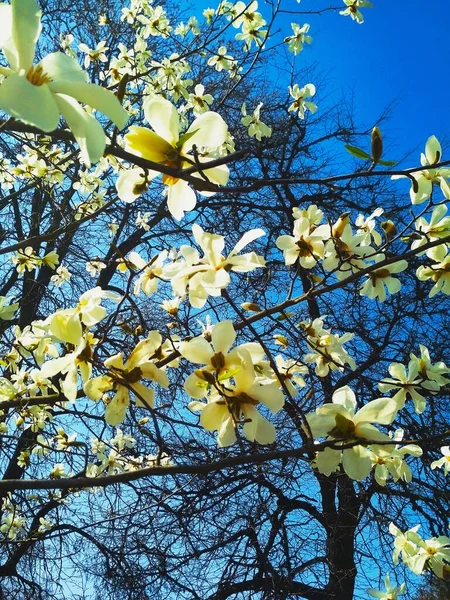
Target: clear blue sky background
(399, 54)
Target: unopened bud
(251, 306)
(377, 145)
(340, 225)
(281, 339)
(389, 228)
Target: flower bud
(377, 145)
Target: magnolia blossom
(338, 422)
(233, 401)
(381, 279)
(208, 275)
(295, 42)
(392, 592)
(437, 228)
(424, 179)
(165, 146)
(344, 251)
(439, 272)
(306, 244)
(69, 364)
(214, 356)
(407, 383)
(391, 462)
(328, 353)
(125, 377)
(444, 462)
(256, 128)
(300, 103)
(353, 9)
(39, 94)
(367, 225)
(66, 324)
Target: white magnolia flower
(439, 272)
(296, 41)
(353, 9)
(125, 377)
(424, 179)
(381, 279)
(256, 128)
(437, 228)
(165, 146)
(339, 422)
(207, 276)
(367, 225)
(233, 402)
(392, 592)
(300, 103)
(39, 94)
(444, 462)
(306, 244)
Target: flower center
(36, 76)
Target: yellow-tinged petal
(117, 409)
(210, 131)
(146, 143)
(213, 416)
(66, 326)
(61, 67)
(32, 104)
(357, 462)
(145, 397)
(223, 336)
(93, 95)
(86, 129)
(26, 28)
(163, 118)
(96, 387)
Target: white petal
(328, 461)
(93, 95)
(5, 23)
(26, 30)
(86, 129)
(210, 130)
(197, 351)
(357, 462)
(163, 118)
(246, 239)
(381, 411)
(223, 336)
(180, 199)
(30, 103)
(346, 398)
(61, 67)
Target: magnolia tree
(224, 327)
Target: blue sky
(398, 55)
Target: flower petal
(146, 143)
(87, 130)
(30, 103)
(223, 336)
(357, 462)
(163, 118)
(381, 411)
(26, 29)
(180, 199)
(209, 129)
(61, 67)
(93, 95)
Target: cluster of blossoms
(191, 274)
(422, 377)
(337, 249)
(419, 554)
